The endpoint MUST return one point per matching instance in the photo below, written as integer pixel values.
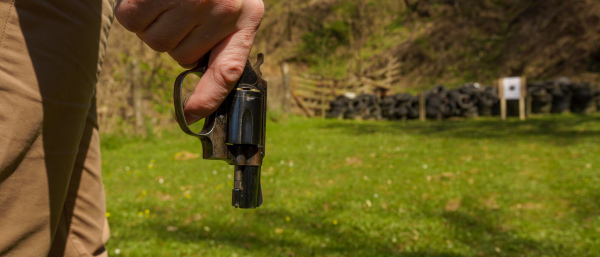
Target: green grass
(349, 188)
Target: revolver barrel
(246, 191)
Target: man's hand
(188, 29)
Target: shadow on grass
(486, 232)
(313, 234)
(297, 238)
(562, 129)
(587, 205)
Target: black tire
(582, 98)
(561, 98)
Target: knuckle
(230, 72)
(230, 7)
(200, 107)
(127, 18)
(157, 43)
(183, 59)
(255, 11)
(258, 9)
(128, 23)
(207, 103)
(211, 103)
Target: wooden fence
(310, 95)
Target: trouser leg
(50, 54)
(83, 229)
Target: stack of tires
(400, 106)
(364, 106)
(337, 107)
(582, 99)
(562, 95)
(470, 100)
(541, 97)
(488, 102)
(436, 103)
(464, 100)
(597, 99)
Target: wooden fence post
(522, 114)
(422, 110)
(502, 99)
(285, 74)
(390, 70)
(323, 105)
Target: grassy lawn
(350, 188)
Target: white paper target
(512, 88)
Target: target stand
(512, 88)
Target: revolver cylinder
(246, 118)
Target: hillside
(435, 41)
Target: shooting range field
(455, 188)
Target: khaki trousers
(51, 194)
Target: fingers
(137, 15)
(197, 43)
(160, 35)
(188, 29)
(223, 20)
(224, 69)
(226, 65)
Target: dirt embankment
(483, 40)
(441, 41)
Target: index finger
(225, 67)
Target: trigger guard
(178, 101)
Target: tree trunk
(136, 87)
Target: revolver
(235, 132)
